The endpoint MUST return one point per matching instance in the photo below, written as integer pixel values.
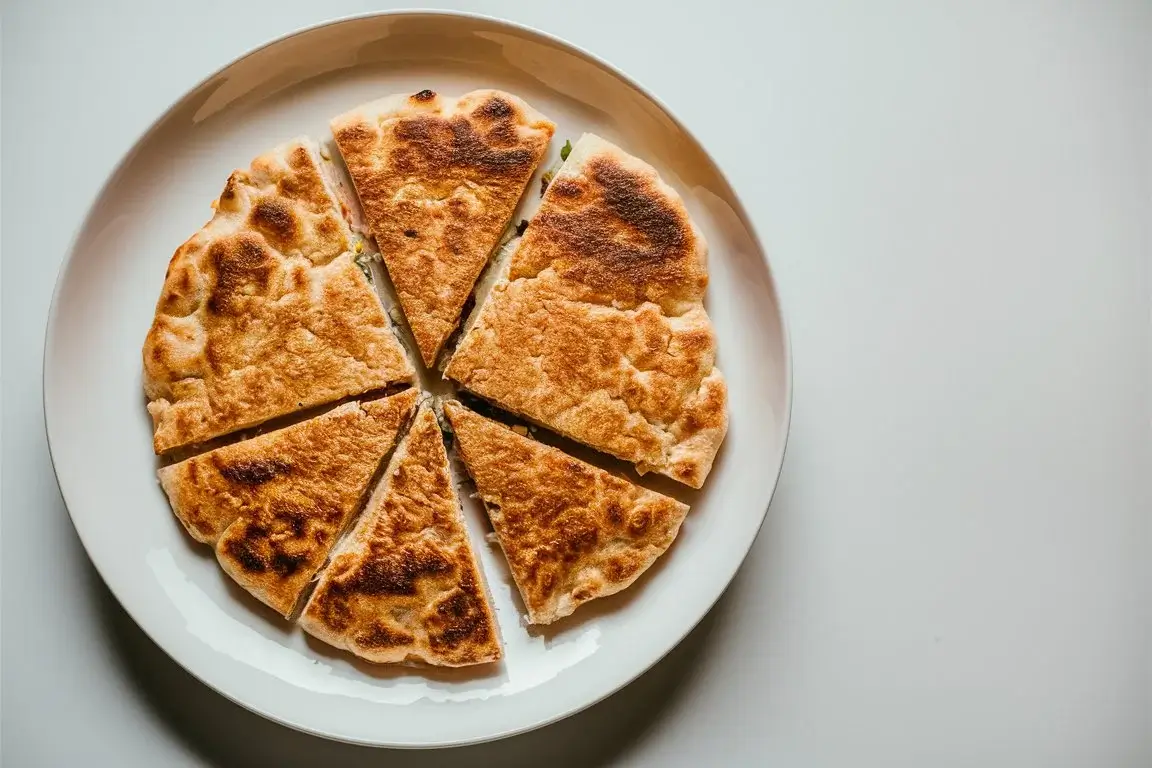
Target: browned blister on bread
(264, 311)
(439, 179)
(273, 506)
(571, 532)
(598, 330)
(404, 584)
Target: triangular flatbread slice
(404, 586)
(439, 179)
(273, 506)
(264, 311)
(571, 531)
(598, 329)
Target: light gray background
(957, 201)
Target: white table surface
(954, 572)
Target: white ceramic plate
(99, 431)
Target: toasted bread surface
(263, 311)
(439, 179)
(404, 584)
(273, 506)
(599, 331)
(571, 532)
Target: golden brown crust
(439, 180)
(274, 505)
(599, 331)
(404, 585)
(263, 311)
(571, 531)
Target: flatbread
(571, 531)
(598, 331)
(264, 311)
(439, 179)
(274, 505)
(404, 586)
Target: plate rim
(67, 262)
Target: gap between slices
(404, 584)
(438, 180)
(264, 311)
(177, 455)
(571, 532)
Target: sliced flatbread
(571, 531)
(264, 311)
(404, 586)
(598, 329)
(439, 179)
(274, 505)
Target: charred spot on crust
(275, 219)
(417, 131)
(439, 144)
(275, 541)
(256, 471)
(380, 636)
(618, 232)
(494, 109)
(294, 519)
(458, 617)
(238, 262)
(633, 199)
(567, 187)
(242, 551)
(503, 133)
(397, 575)
(394, 574)
(285, 565)
(424, 95)
(410, 233)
